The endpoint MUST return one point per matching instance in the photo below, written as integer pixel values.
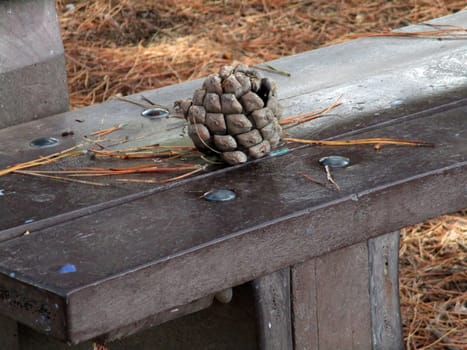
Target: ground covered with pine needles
(127, 46)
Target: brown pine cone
(234, 114)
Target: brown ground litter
(433, 283)
(127, 46)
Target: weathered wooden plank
(32, 63)
(8, 334)
(337, 295)
(304, 306)
(48, 202)
(386, 324)
(297, 95)
(343, 308)
(156, 248)
(272, 300)
(39, 308)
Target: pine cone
(235, 114)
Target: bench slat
(128, 254)
(50, 202)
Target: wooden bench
(311, 268)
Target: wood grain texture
(304, 306)
(155, 247)
(272, 300)
(344, 320)
(332, 307)
(384, 292)
(39, 308)
(32, 62)
(68, 201)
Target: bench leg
(349, 299)
(386, 327)
(272, 302)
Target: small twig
(312, 179)
(134, 155)
(145, 181)
(201, 139)
(268, 68)
(439, 26)
(153, 103)
(307, 116)
(369, 141)
(209, 161)
(152, 181)
(144, 152)
(108, 130)
(184, 175)
(147, 105)
(125, 171)
(137, 169)
(129, 100)
(442, 338)
(69, 152)
(441, 33)
(329, 177)
(61, 178)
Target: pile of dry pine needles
(127, 46)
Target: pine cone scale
(235, 114)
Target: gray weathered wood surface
(32, 62)
(386, 327)
(273, 310)
(349, 298)
(343, 299)
(304, 305)
(335, 313)
(152, 247)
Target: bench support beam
(349, 299)
(386, 327)
(272, 301)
